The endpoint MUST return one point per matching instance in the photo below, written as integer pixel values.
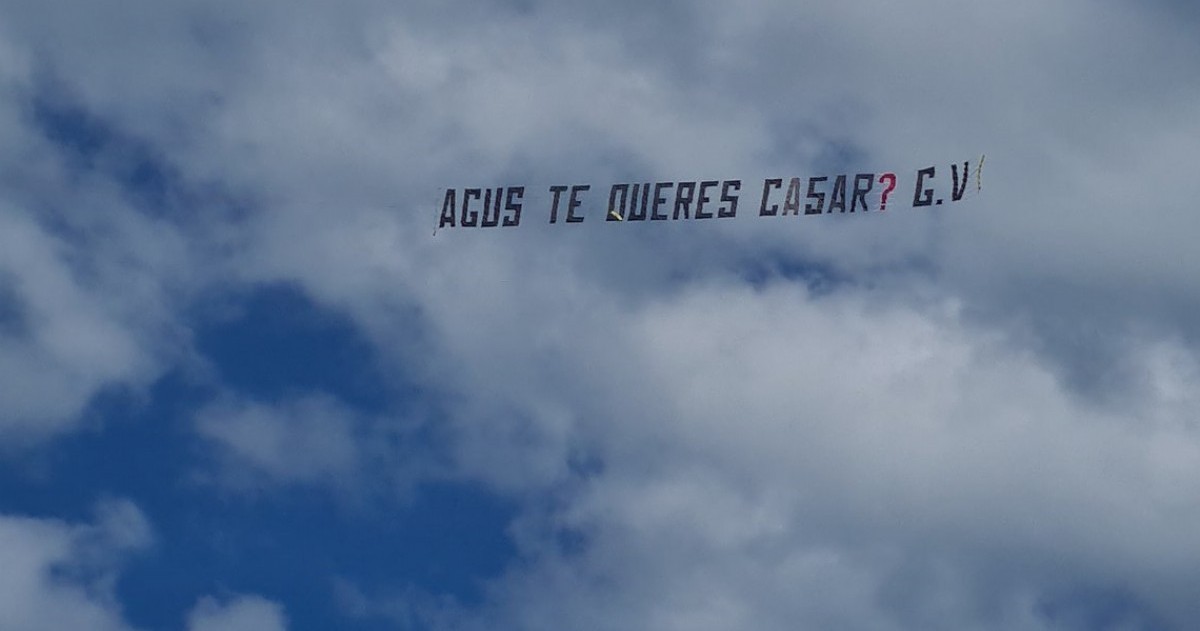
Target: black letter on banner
(791, 200)
(860, 193)
(769, 184)
(727, 198)
(575, 202)
(513, 207)
(557, 190)
(615, 213)
(809, 209)
(637, 211)
(837, 199)
(958, 191)
(703, 197)
(659, 200)
(470, 220)
(449, 205)
(490, 204)
(923, 197)
(684, 201)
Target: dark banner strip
(508, 206)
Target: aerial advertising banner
(507, 206)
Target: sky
(244, 385)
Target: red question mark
(890, 178)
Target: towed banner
(709, 199)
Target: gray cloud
(991, 411)
(243, 613)
(914, 465)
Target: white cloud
(784, 461)
(308, 440)
(86, 281)
(908, 457)
(926, 458)
(59, 576)
(67, 344)
(241, 613)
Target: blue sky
(445, 536)
(243, 385)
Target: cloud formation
(938, 419)
(60, 576)
(305, 441)
(243, 613)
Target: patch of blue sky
(90, 145)
(1099, 609)
(275, 343)
(13, 320)
(290, 544)
(823, 277)
(818, 278)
